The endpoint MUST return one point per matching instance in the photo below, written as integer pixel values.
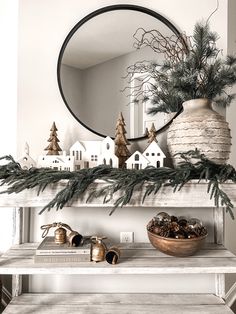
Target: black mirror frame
(87, 18)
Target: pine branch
(196, 72)
(122, 181)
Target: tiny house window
(94, 157)
(136, 157)
(108, 146)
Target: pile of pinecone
(168, 226)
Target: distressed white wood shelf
(136, 259)
(117, 303)
(192, 194)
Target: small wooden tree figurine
(121, 142)
(152, 134)
(53, 148)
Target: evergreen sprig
(197, 72)
(193, 166)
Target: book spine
(62, 259)
(62, 252)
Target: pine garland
(193, 166)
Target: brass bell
(75, 239)
(113, 255)
(98, 249)
(60, 235)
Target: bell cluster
(168, 226)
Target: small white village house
(155, 155)
(137, 161)
(57, 162)
(152, 156)
(83, 154)
(26, 161)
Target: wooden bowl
(176, 247)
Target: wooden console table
(137, 259)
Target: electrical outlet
(126, 237)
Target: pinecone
(174, 226)
(150, 225)
(165, 231)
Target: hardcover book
(49, 247)
(50, 252)
(75, 258)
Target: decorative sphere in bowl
(176, 236)
(176, 247)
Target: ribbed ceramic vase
(199, 126)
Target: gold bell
(60, 235)
(98, 249)
(75, 239)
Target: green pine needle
(123, 181)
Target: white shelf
(136, 259)
(117, 303)
(139, 259)
(192, 194)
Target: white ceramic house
(107, 156)
(90, 154)
(137, 161)
(27, 162)
(83, 154)
(57, 162)
(86, 154)
(154, 154)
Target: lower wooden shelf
(117, 303)
(136, 258)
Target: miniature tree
(121, 142)
(152, 134)
(53, 148)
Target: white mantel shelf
(136, 259)
(192, 194)
(117, 303)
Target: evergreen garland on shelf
(125, 180)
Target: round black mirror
(92, 65)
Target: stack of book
(50, 252)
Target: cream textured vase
(199, 126)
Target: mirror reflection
(92, 68)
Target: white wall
(42, 31)
(8, 102)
